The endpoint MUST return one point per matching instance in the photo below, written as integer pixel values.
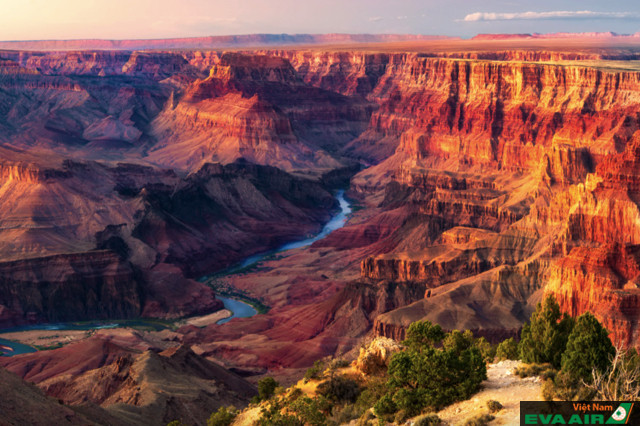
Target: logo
(621, 415)
(578, 413)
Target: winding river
(238, 308)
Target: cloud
(400, 18)
(558, 14)
(375, 19)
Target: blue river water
(336, 222)
(238, 308)
(10, 348)
(241, 309)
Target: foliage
(346, 413)
(339, 363)
(311, 411)
(507, 349)
(494, 406)
(564, 387)
(423, 334)
(621, 381)
(175, 423)
(427, 420)
(487, 350)
(544, 339)
(588, 347)
(530, 370)
(266, 388)
(339, 389)
(424, 376)
(223, 417)
(385, 406)
(273, 416)
(479, 420)
(375, 388)
(315, 371)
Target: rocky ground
(502, 386)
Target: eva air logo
(621, 415)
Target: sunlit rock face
(490, 178)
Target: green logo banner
(578, 413)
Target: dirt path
(502, 386)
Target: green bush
(339, 363)
(427, 420)
(487, 350)
(544, 339)
(315, 371)
(223, 417)
(266, 388)
(273, 416)
(385, 406)
(507, 349)
(421, 334)
(342, 414)
(311, 411)
(479, 420)
(339, 389)
(417, 375)
(588, 347)
(531, 370)
(494, 406)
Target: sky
(125, 19)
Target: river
(238, 308)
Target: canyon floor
(482, 175)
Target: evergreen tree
(588, 347)
(544, 339)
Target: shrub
(427, 420)
(311, 411)
(376, 388)
(315, 371)
(339, 389)
(368, 418)
(530, 370)
(564, 387)
(417, 375)
(494, 406)
(621, 381)
(266, 388)
(273, 416)
(479, 420)
(507, 349)
(422, 334)
(346, 413)
(339, 363)
(588, 347)
(544, 339)
(385, 406)
(223, 417)
(487, 350)
(294, 394)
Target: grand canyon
(473, 178)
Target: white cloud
(558, 14)
(401, 17)
(375, 19)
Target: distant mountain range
(590, 35)
(231, 41)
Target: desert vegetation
(393, 382)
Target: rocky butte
(486, 174)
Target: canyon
(483, 174)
